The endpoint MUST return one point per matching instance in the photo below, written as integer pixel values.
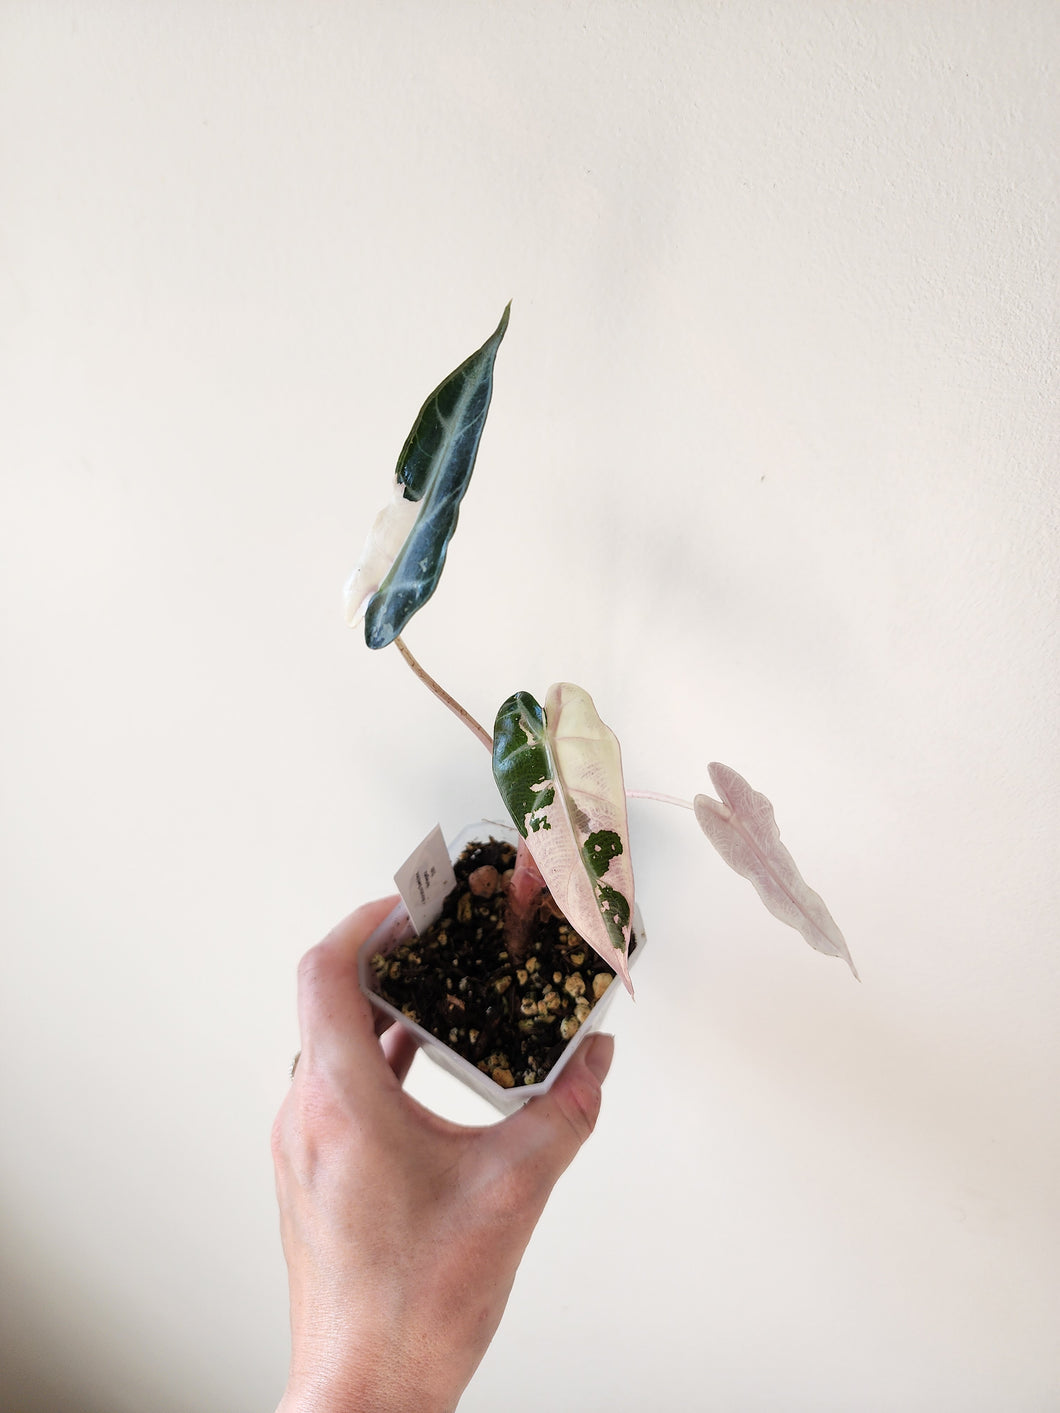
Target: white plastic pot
(397, 928)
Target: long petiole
(443, 696)
(662, 799)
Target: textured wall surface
(775, 436)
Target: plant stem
(662, 799)
(443, 696)
(525, 891)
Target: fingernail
(600, 1053)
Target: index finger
(335, 1018)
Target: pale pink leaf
(743, 829)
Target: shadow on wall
(61, 1344)
(42, 1370)
(33, 1381)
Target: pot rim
(396, 927)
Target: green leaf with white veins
(404, 554)
(559, 772)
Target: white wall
(776, 416)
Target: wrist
(317, 1384)
(382, 1352)
(358, 1397)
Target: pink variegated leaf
(743, 829)
(559, 771)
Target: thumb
(543, 1137)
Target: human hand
(402, 1231)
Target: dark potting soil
(510, 1017)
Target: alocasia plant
(558, 767)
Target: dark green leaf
(520, 762)
(434, 468)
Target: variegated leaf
(404, 554)
(559, 771)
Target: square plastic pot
(397, 928)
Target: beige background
(770, 470)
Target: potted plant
(503, 966)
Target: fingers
(334, 1017)
(544, 1136)
(399, 1047)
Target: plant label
(425, 880)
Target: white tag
(425, 880)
